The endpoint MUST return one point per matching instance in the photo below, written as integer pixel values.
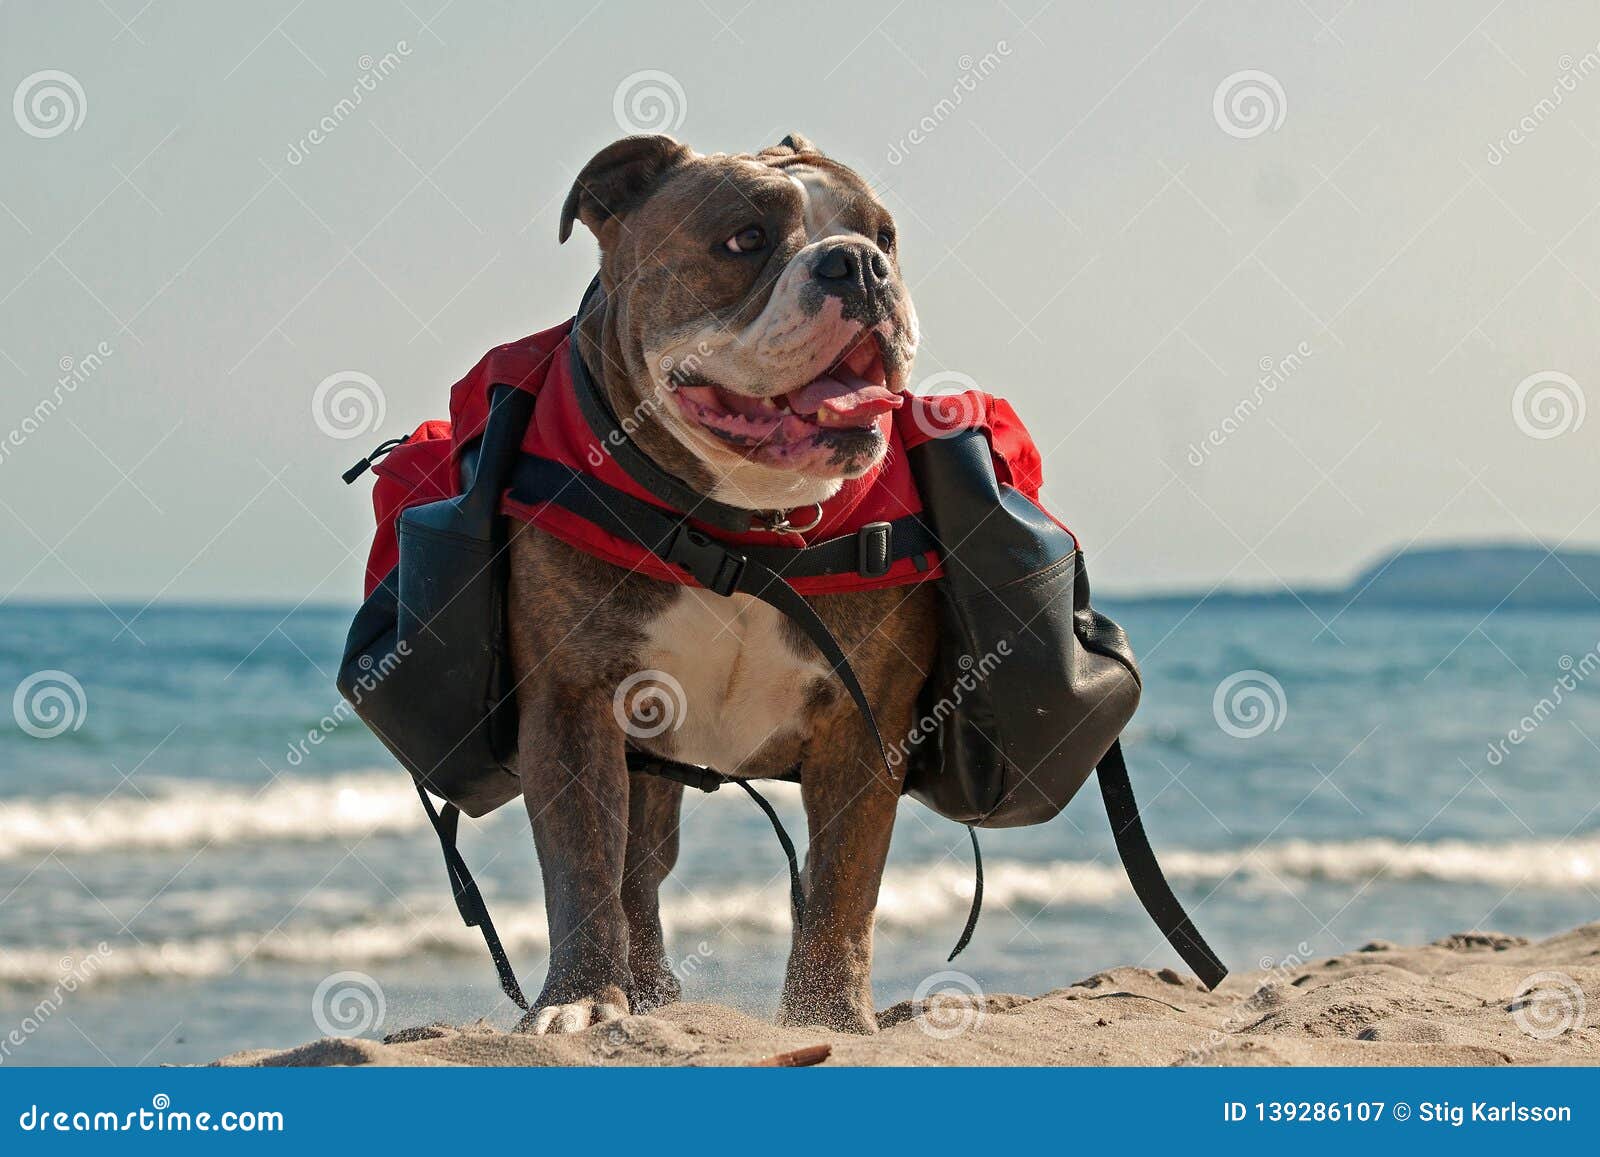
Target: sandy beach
(1476, 998)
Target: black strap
(717, 567)
(977, 896)
(365, 464)
(759, 581)
(469, 901)
(1144, 873)
(708, 780)
(871, 550)
(797, 891)
(639, 465)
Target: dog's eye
(886, 240)
(747, 240)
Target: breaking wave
(190, 815)
(912, 898)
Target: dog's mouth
(843, 403)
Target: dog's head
(754, 313)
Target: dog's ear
(792, 145)
(799, 144)
(617, 179)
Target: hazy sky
(1091, 224)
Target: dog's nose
(837, 264)
(852, 270)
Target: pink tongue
(851, 397)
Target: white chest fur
(742, 683)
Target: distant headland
(1479, 576)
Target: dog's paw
(570, 1018)
(838, 1014)
(656, 991)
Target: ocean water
(183, 873)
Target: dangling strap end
(977, 896)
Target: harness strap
(797, 891)
(639, 465)
(714, 565)
(469, 901)
(870, 551)
(1144, 872)
(708, 780)
(977, 896)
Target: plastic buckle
(713, 565)
(873, 553)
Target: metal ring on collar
(780, 522)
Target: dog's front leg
(575, 784)
(653, 807)
(851, 817)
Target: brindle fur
(579, 626)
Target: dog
(771, 284)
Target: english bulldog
(770, 285)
